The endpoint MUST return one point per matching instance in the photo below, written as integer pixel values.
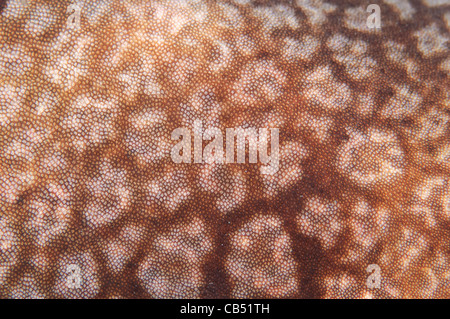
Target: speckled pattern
(86, 177)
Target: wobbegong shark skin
(90, 92)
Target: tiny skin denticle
(349, 199)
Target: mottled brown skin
(86, 176)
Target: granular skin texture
(86, 177)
